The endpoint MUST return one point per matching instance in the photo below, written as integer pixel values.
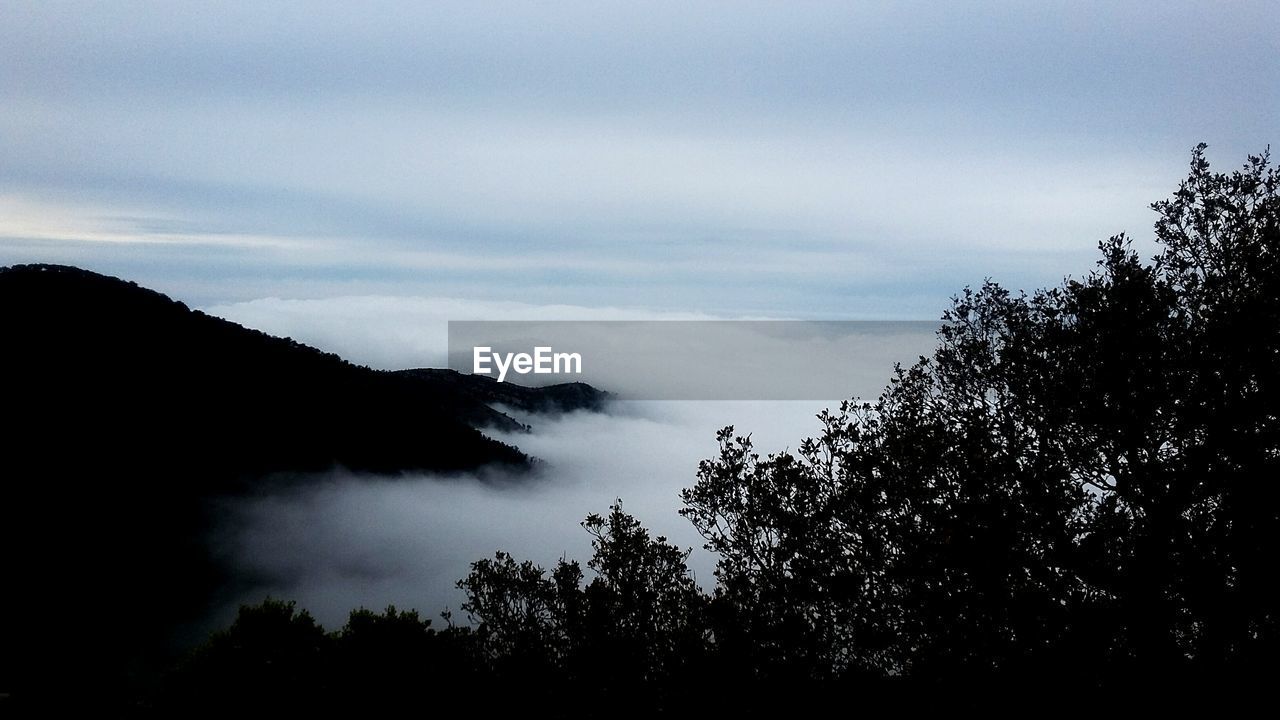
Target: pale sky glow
(787, 159)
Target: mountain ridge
(126, 415)
(185, 361)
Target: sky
(355, 175)
(810, 160)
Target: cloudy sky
(356, 174)
(788, 159)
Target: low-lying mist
(337, 541)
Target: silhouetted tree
(1078, 481)
(623, 637)
(520, 612)
(273, 658)
(641, 621)
(395, 660)
(276, 658)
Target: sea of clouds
(337, 541)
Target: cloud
(393, 333)
(650, 355)
(856, 160)
(335, 542)
(27, 220)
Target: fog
(397, 332)
(338, 541)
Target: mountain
(126, 414)
(114, 374)
(486, 391)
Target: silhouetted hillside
(487, 391)
(108, 373)
(124, 411)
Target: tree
(1079, 481)
(624, 635)
(273, 657)
(641, 623)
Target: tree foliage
(1080, 481)
(630, 630)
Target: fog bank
(338, 541)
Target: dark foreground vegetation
(1072, 503)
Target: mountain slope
(486, 390)
(123, 414)
(110, 373)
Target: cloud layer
(336, 542)
(822, 160)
